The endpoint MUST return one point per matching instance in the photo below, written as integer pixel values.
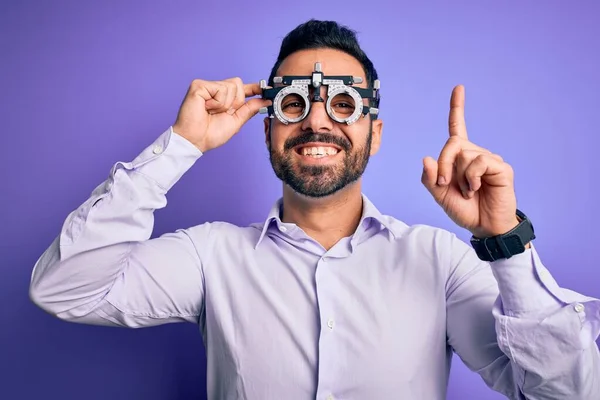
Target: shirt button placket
(325, 286)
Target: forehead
(333, 62)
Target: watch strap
(506, 245)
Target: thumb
(250, 109)
(429, 177)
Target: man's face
(317, 156)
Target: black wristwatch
(506, 245)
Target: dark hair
(315, 34)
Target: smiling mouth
(317, 151)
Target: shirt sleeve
(103, 268)
(524, 335)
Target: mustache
(311, 137)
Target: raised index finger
(456, 118)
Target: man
(327, 298)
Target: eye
(343, 105)
(293, 104)
(342, 108)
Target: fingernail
(441, 180)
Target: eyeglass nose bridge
(317, 82)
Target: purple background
(86, 84)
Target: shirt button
(157, 149)
(330, 323)
(282, 228)
(330, 397)
(579, 307)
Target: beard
(320, 180)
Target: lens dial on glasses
(291, 104)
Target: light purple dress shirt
(378, 316)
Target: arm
(103, 269)
(528, 338)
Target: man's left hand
(474, 186)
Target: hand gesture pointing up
(474, 186)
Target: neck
(327, 219)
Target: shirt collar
(370, 214)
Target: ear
(267, 127)
(376, 129)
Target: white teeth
(319, 151)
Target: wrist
(182, 132)
(483, 233)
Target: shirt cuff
(525, 284)
(165, 160)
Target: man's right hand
(213, 111)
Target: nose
(317, 119)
